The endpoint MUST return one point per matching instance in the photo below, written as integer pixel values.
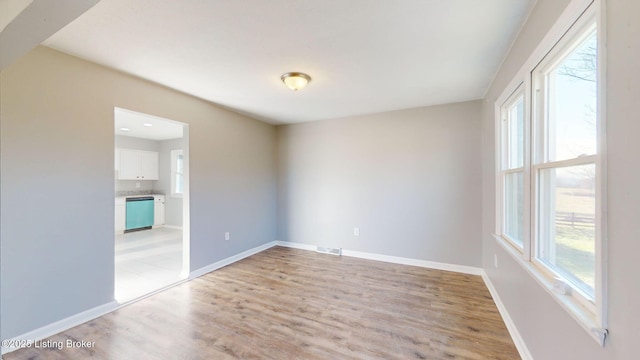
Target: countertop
(138, 193)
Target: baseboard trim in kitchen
(173, 227)
(46, 331)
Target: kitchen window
(177, 173)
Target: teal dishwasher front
(139, 213)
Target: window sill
(583, 316)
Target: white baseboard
(60, 325)
(173, 227)
(513, 331)
(230, 260)
(142, 297)
(414, 262)
(88, 315)
(392, 259)
(295, 245)
(511, 326)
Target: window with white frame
(512, 165)
(565, 160)
(177, 173)
(550, 169)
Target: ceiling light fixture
(295, 80)
(147, 124)
(125, 129)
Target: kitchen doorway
(151, 203)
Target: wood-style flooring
(293, 304)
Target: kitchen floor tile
(146, 261)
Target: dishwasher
(139, 213)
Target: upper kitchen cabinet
(137, 165)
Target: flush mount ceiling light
(295, 80)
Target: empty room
(304, 179)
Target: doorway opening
(151, 203)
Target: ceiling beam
(36, 23)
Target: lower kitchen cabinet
(158, 210)
(121, 215)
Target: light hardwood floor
(293, 304)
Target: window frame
(504, 169)
(573, 24)
(174, 172)
(579, 32)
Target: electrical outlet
(137, 185)
(356, 231)
(227, 235)
(495, 260)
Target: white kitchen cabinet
(137, 165)
(121, 215)
(149, 165)
(129, 168)
(158, 210)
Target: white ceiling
(155, 129)
(364, 56)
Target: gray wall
(548, 330)
(128, 142)
(410, 180)
(57, 142)
(172, 204)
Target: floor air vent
(332, 251)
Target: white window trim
(174, 171)
(510, 100)
(592, 318)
